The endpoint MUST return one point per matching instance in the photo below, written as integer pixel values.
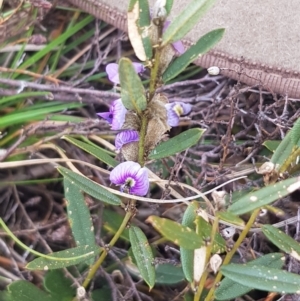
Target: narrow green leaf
(263, 278)
(187, 256)
(282, 241)
(59, 40)
(26, 291)
(144, 27)
(24, 95)
(295, 133)
(177, 144)
(59, 286)
(283, 151)
(186, 20)
(271, 145)
(90, 187)
(229, 289)
(181, 235)
(143, 255)
(190, 215)
(203, 45)
(169, 4)
(18, 117)
(168, 274)
(79, 216)
(133, 92)
(204, 231)
(65, 258)
(97, 152)
(230, 218)
(264, 196)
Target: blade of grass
(37, 56)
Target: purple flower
(116, 114)
(125, 137)
(112, 71)
(131, 177)
(175, 110)
(178, 45)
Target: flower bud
(215, 263)
(214, 70)
(159, 11)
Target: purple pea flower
(175, 110)
(112, 71)
(116, 114)
(131, 177)
(178, 45)
(125, 137)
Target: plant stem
(98, 263)
(155, 72)
(143, 131)
(230, 254)
(208, 255)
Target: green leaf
(177, 144)
(187, 256)
(168, 274)
(79, 216)
(190, 215)
(283, 151)
(263, 278)
(186, 20)
(56, 42)
(96, 151)
(282, 241)
(60, 287)
(181, 235)
(29, 115)
(112, 222)
(90, 187)
(169, 4)
(10, 100)
(132, 92)
(230, 218)
(204, 231)
(143, 255)
(138, 20)
(26, 291)
(264, 196)
(229, 289)
(144, 27)
(65, 258)
(204, 44)
(271, 145)
(295, 133)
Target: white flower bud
(214, 70)
(215, 262)
(159, 10)
(219, 198)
